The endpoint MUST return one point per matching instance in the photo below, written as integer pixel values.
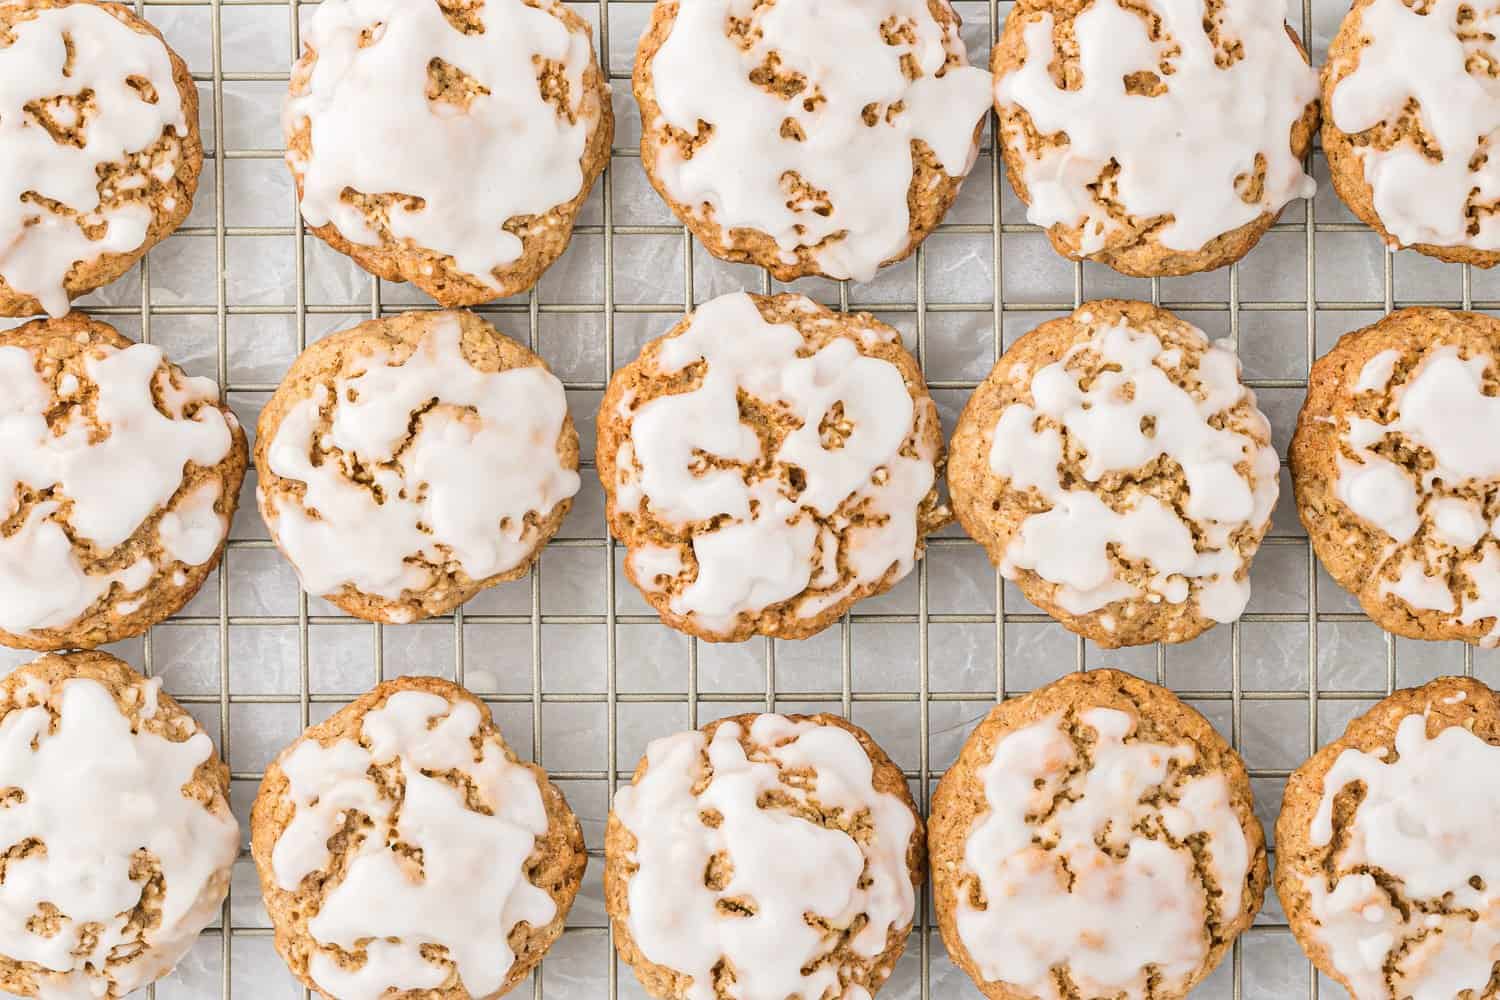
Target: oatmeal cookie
(763, 855)
(451, 145)
(768, 463)
(1385, 859)
(1095, 838)
(1396, 472)
(1179, 151)
(404, 850)
(808, 139)
(1412, 110)
(1117, 470)
(119, 476)
(116, 832)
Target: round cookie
(767, 464)
(99, 148)
(451, 145)
(823, 139)
(403, 849)
(1155, 136)
(410, 462)
(1396, 472)
(116, 830)
(1118, 471)
(1411, 110)
(1385, 860)
(763, 856)
(1095, 838)
(119, 477)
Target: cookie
(1158, 137)
(403, 849)
(1117, 470)
(823, 140)
(410, 462)
(1396, 473)
(763, 856)
(1095, 838)
(1410, 113)
(767, 464)
(1385, 860)
(116, 831)
(99, 148)
(119, 477)
(451, 145)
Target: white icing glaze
(373, 129)
(1426, 820)
(1186, 153)
(1069, 544)
(742, 170)
(783, 865)
(96, 794)
(191, 532)
(470, 888)
(764, 552)
(41, 246)
(482, 457)
(1427, 58)
(114, 483)
(1055, 897)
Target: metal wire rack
(1298, 695)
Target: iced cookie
(1160, 137)
(99, 148)
(1412, 105)
(119, 476)
(1095, 838)
(1118, 471)
(116, 831)
(809, 138)
(404, 850)
(1385, 859)
(1396, 472)
(767, 464)
(763, 856)
(410, 462)
(451, 145)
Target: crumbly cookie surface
(1412, 105)
(410, 462)
(768, 463)
(1385, 861)
(1117, 469)
(119, 477)
(116, 831)
(1075, 816)
(404, 850)
(449, 145)
(763, 856)
(1154, 136)
(1396, 472)
(808, 139)
(99, 148)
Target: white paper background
(917, 667)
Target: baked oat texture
(341, 354)
(664, 983)
(556, 864)
(170, 200)
(1135, 248)
(1360, 556)
(641, 381)
(209, 786)
(63, 345)
(958, 803)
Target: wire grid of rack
(1289, 693)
